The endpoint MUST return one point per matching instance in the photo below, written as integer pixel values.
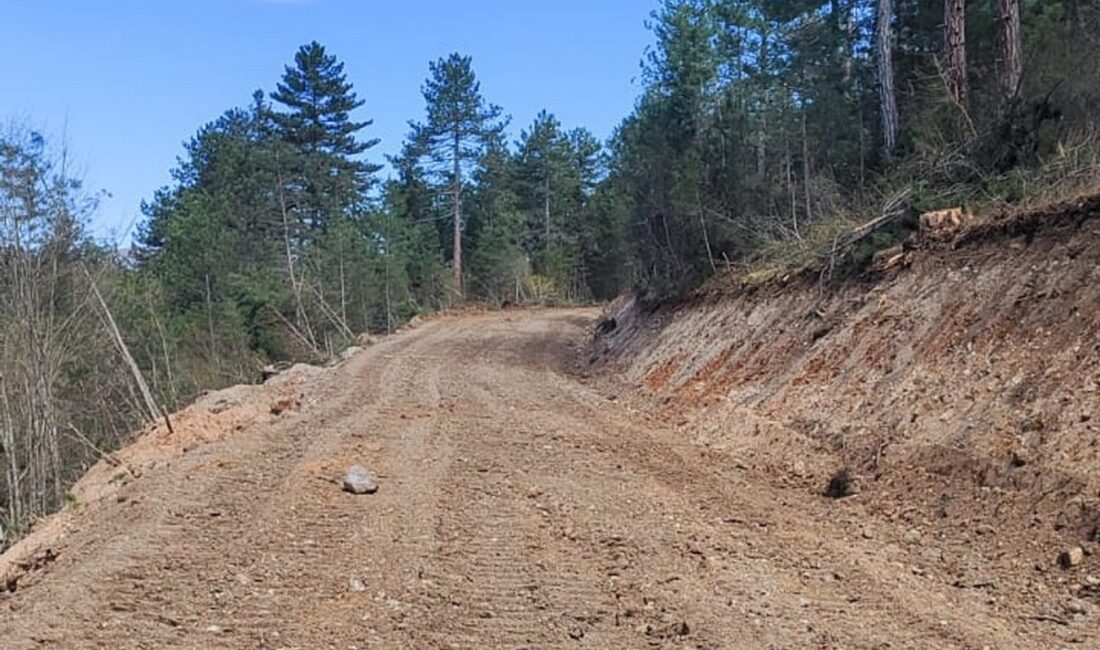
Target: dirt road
(521, 506)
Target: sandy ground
(520, 506)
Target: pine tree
(498, 266)
(455, 135)
(318, 102)
(556, 173)
(670, 127)
(543, 175)
(416, 242)
(598, 235)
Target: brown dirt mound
(211, 418)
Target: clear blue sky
(127, 81)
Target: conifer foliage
(319, 101)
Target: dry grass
(1070, 173)
(849, 235)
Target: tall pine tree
(318, 101)
(543, 172)
(459, 126)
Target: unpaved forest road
(519, 507)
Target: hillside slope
(961, 393)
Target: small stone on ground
(1072, 557)
(358, 480)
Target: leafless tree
(58, 371)
(35, 224)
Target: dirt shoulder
(959, 391)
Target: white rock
(358, 480)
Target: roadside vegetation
(769, 136)
(796, 135)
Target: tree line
(763, 130)
(277, 221)
(776, 121)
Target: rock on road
(518, 507)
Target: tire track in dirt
(499, 584)
(782, 559)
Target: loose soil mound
(212, 417)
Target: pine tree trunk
(457, 191)
(343, 282)
(762, 133)
(954, 45)
(789, 167)
(805, 171)
(762, 152)
(1012, 63)
(389, 308)
(300, 315)
(546, 216)
(843, 30)
(210, 318)
(116, 334)
(884, 62)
